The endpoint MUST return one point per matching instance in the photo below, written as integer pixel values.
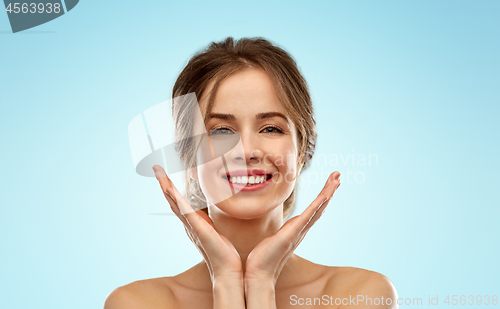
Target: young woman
(250, 91)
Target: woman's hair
(213, 65)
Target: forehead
(245, 93)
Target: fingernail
(159, 172)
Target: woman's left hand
(267, 259)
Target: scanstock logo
(28, 14)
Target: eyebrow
(270, 115)
(231, 117)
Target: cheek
(211, 184)
(284, 158)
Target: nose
(250, 152)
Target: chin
(243, 206)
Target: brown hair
(218, 61)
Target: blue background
(415, 83)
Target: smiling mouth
(248, 181)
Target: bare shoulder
(186, 290)
(149, 293)
(369, 288)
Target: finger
(203, 227)
(175, 199)
(294, 227)
(291, 234)
(300, 236)
(320, 210)
(197, 221)
(166, 184)
(335, 184)
(289, 252)
(195, 225)
(298, 224)
(169, 188)
(334, 178)
(205, 217)
(315, 218)
(198, 225)
(326, 193)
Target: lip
(253, 172)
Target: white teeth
(244, 180)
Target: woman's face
(258, 174)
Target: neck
(245, 234)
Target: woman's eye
(221, 131)
(272, 130)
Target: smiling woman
(252, 110)
(277, 82)
(251, 92)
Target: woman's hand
(267, 259)
(222, 259)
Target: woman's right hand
(221, 257)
